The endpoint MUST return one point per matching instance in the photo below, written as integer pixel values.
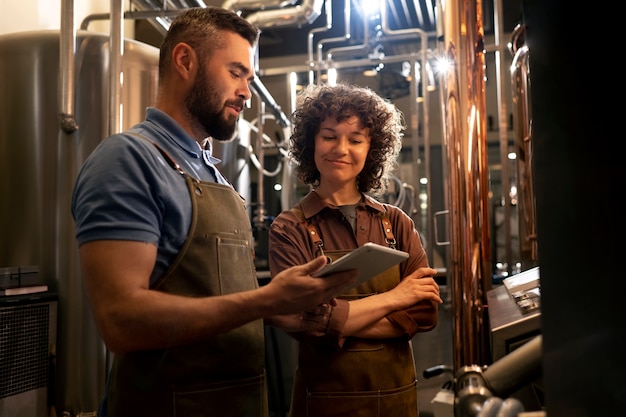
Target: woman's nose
(340, 145)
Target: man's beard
(204, 104)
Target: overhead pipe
(265, 14)
(342, 49)
(423, 36)
(387, 34)
(346, 36)
(329, 24)
(305, 13)
(136, 15)
(67, 71)
(238, 5)
(162, 23)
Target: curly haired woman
(359, 361)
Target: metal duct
(236, 5)
(469, 272)
(270, 14)
(305, 13)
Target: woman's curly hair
(342, 101)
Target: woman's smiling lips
(337, 162)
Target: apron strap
(387, 230)
(313, 233)
(317, 240)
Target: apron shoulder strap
(387, 229)
(162, 151)
(313, 233)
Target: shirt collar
(207, 152)
(312, 204)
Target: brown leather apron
(363, 378)
(223, 376)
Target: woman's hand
(415, 287)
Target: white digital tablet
(370, 259)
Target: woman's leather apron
(363, 378)
(223, 376)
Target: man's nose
(244, 91)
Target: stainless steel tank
(39, 163)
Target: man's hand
(315, 319)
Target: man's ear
(184, 60)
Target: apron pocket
(394, 402)
(240, 397)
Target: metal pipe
(469, 266)
(236, 5)
(502, 132)
(423, 52)
(67, 72)
(346, 36)
(325, 28)
(264, 94)
(358, 48)
(511, 372)
(477, 388)
(304, 13)
(524, 149)
(116, 52)
(260, 215)
(137, 15)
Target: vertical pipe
(260, 215)
(116, 52)
(288, 197)
(320, 45)
(414, 121)
(520, 86)
(430, 226)
(464, 110)
(67, 48)
(503, 125)
(423, 78)
(329, 25)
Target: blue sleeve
(118, 193)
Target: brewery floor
(431, 349)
